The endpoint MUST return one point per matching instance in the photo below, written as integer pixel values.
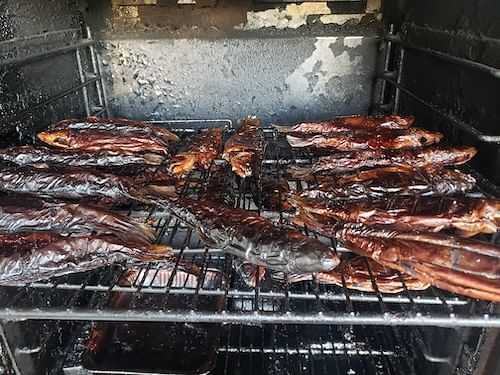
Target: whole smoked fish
(26, 214)
(104, 187)
(383, 182)
(243, 150)
(349, 123)
(103, 141)
(29, 257)
(43, 157)
(383, 139)
(118, 126)
(467, 216)
(201, 153)
(435, 156)
(253, 238)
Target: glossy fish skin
(389, 181)
(58, 255)
(104, 187)
(435, 156)
(468, 216)
(253, 238)
(385, 139)
(118, 126)
(63, 218)
(201, 153)
(43, 157)
(91, 140)
(463, 266)
(350, 123)
(243, 150)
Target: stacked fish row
(89, 168)
(387, 192)
(54, 211)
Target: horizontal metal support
(234, 293)
(19, 61)
(319, 349)
(309, 1)
(45, 35)
(463, 125)
(387, 319)
(190, 122)
(52, 99)
(495, 72)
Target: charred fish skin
(350, 123)
(43, 157)
(76, 185)
(375, 140)
(201, 153)
(63, 255)
(249, 236)
(435, 156)
(118, 125)
(382, 182)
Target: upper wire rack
(87, 296)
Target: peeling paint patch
(295, 15)
(373, 6)
(353, 41)
(316, 74)
(340, 19)
(292, 16)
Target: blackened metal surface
(23, 87)
(469, 30)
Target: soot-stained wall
(277, 79)
(283, 63)
(468, 29)
(22, 87)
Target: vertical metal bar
(85, 92)
(96, 66)
(94, 70)
(10, 354)
(397, 95)
(387, 59)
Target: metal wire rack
(86, 296)
(296, 349)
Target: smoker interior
(189, 67)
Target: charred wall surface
(468, 29)
(22, 87)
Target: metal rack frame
(80, 43)
(393, 77)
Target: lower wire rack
(283, 349)
(88, 296)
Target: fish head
(427, 137)
(58, 138)
(314, 256)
